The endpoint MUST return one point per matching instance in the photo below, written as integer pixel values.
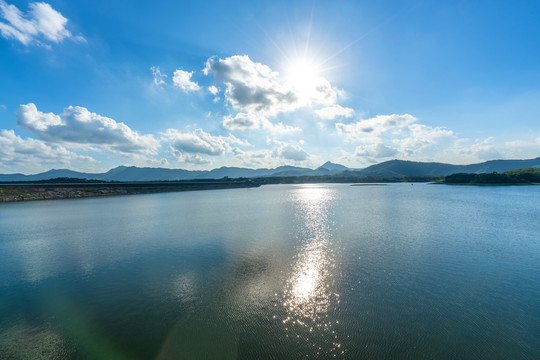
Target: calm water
(284, 271)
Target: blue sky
(90, 85)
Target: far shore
(474, 184)
(367, 184)
(31, 192)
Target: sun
(302, 75)
(301, 72)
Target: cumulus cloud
(153, 162)
(188, 158)
(244, 121)
(374, 126)
(197, 142)
(334, 111)
(256, 158)
(279, 153)
(292, 152)
(258, 93)
(477, 150)
(213, 90)
(19, 153)
(251, 121)
(376, 151)
(400, 136)
(40, 22)
(182, 79)
(77, 125)
(159, 78)
(200, 142)
(288, 151)
(420, 136)
(251, 86)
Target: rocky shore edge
(31, 192)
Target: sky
(91, 85)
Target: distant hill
(331, 167)
(530, 170)
(530, 175)
(51, 174)
(392, 168)
(396, 168)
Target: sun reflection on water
(308, 291)
(310, 294)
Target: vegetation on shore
(525, 176)
(67, 188)
(343, 179)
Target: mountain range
(392, 168)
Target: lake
(281, 271)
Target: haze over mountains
(392, 168)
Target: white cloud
(243, 121)
(252, 87)
(213, 90)
(77, 125)
(254, 121)
(41, 21)
(485, 149)
(258, 93)
(520, 149)
(334, 111)
(375, 126)
(3, 107)
(283, 129)
(399, 136)
(255, 158)
(159, 78)
(200, 142)
(288, 151)
(188, 158)
(277, 155)
(377, 151)
(292, 152)
(155, 162)
(197, 142)
(17, 153)
(421, 136)
(402, 137)
(182, 79)
(479, 150)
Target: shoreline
(35, 192)
(486, 184)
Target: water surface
(281, 271)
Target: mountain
(396, 168)
(392, 168)
(233, 172)
(133, 173)
(51, 174)
(332, 168)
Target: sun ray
(363, 36)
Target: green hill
(522, 176)
(395, 168)
(529, 170)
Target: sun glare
(302, 75)
(301, 72)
